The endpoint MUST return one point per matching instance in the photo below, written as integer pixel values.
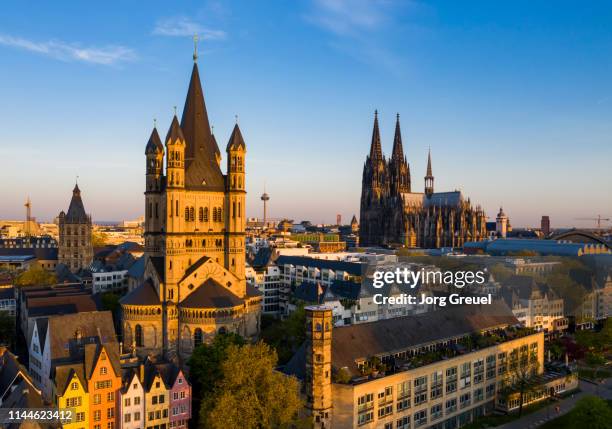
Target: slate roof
(136, 271)
(25, 395)
(211, 294)
(154, 145)
(46, 253)
(262, 258)
(350, 343)
(64, 373)
(60, 304)
(354, 268)
(310, 292)
(453, 198)
(175, 132)
(236, 141)
(145, 294)
(96, 326)
(201, 168)
(92, 353)
(76, 210)
(10, 371)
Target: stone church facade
(194, 281)
(75, 248)
(391, 214)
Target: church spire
(202, 155)
(376, 148)
(429, 178)
(398, 150)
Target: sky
(514, 98)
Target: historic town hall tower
(194, 283)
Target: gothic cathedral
(391, 214)
(194, 280)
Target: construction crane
(599, 219)
(28, 206)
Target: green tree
(110, 302)
(592, 412)
(7, 329)
(500, 272)
(250, 393)
(35, 276)
(99, 239)
(522, 376)
(286, 335)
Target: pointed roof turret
(429, 172)
(202, 168)
(376, 147)
(175, 132)
(154, 145)
(236, 141)
(398, 150)
(76, 210)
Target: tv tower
(265, 198)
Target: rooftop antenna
(195, 47)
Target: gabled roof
(76, 210)
(145, 294)
(42, 324)
(92, 356)
(65, 373)
(69, 334)
(211, 294)
(236, 141)
(136, 271)
(11, 372)
(197, 264)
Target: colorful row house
(106, 392)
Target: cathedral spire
(398, 150)
(376, 148)
(429, 178)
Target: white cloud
(349, 17)
(107, 55)
(183, 26)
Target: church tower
(75, 249)
(235, 236)
(374, 188)
(429, 178)
(318, 365)
(194, 277)
(399, 169)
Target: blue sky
(514, 98)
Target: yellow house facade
(72, 395)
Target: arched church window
(220, 214)
(234, 209)
(192, 214)
(239, 210)
(197, 337)
(201, 214)
(186, 213)
(138, 336)
(205, 214)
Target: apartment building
(441, 369)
